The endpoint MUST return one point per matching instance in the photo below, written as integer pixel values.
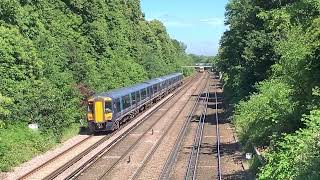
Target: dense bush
(297, 156)
(276, 43)
(50, 48)
(266, 115)
(54, 54)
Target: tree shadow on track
(238, 175)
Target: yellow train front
(106, 111)
(100, 114)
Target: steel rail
(201, 136)
(194, 156)
(138, 140)
(191, 164)
(96, 157)
(218, 134)
(167, 168)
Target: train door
(99, 110)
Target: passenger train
(201, 69)
(106, 111)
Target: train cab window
(108, 106)
(133, 97)
(90, 107)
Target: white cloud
(213, 21)
(177, 21)
(177, 24)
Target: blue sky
(199, 24)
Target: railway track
(194, 156)
(166, 170)
(80, 147)
(58, 164)
(116, 155)
(207, 155)
(147, 164)
(196, 152)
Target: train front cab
(100, 114)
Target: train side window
(147, 93)
(118, 106)
(142, 91)
(143, 94)
(133, 97)
(150, 91)
(154, 88)
(138, 96)
(127, 101)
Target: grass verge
(19, 144)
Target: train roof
(115, 93)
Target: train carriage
(106, 111)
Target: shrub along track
(126, 157)
(56, 165)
